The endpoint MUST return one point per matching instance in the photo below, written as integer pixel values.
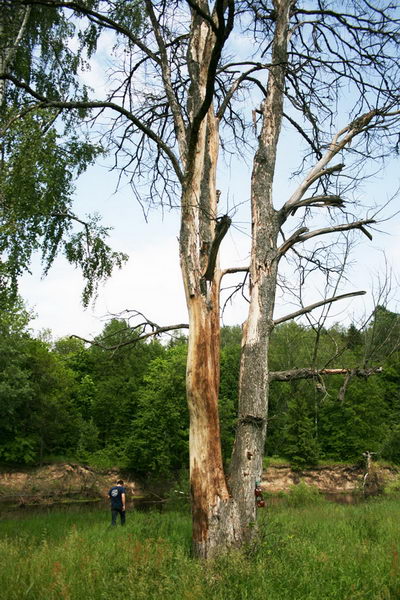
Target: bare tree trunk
(219, 520)
(248, 452)
(213, 510)
(212, 507)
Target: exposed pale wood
(214, 512)
(339, 141)
(294, 374)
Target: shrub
(303, 495)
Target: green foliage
(68, 346)
(391, 379)
(391, 446)
(43, 151)
(117, 377)
(37, 412)
(383, 335)
(178, 496)
(353, 338)
(44, 55)
(231, 336)
(320, 414)
(358, 423)
(36, 182)
(107, 457)
(229, 383)
(88, 440)
(392, 487)
(20, 450)
(159, 431)
(127, 406)
(303, 495)
(300, 444)
(87, 249)
(127, 13)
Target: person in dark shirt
(117, 497)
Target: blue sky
(150, 282)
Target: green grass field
(308, 550)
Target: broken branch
(294, 374)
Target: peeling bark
(214, 513)
(212, 506)
(248, 452)
(218, 519)
(211, 503)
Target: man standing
(117, 498)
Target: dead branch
(166, 75)
(315, 175)
(232, 270)
(311, 307)
(293, 239)
(344, 386)
(345, 227)
(235, 86)
(319, 201)
(295, 374)
(302, 234)
(342, 139)
(140, 338)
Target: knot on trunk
(252, 420)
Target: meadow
(308, 549)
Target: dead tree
(180, 87)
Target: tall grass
(314, 550)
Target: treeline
(64, 400)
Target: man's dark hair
(120, 482)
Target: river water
(12, 509)
(144, 504)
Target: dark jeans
(114, 514)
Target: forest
(126, 407)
